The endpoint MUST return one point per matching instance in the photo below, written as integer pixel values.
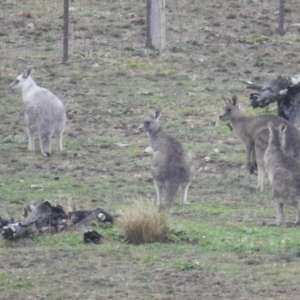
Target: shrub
(144, 223)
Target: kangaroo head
(277, 133)
(280, 129)
(231, 109)
(150, 123)
(21, 79)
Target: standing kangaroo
(253, 132)
(44, 113)
(283, 172)
(172, 166)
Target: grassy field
(223, 244)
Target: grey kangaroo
(44, 113)
(283, 172)
(253, 132)
(172, 166)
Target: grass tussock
(144, 223)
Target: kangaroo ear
(225, 100)
(234, 100)
(270, 126)
(27, 73)
(282, 128)
(155, 113)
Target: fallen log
(48, 218)
(44, 217)
(87, 217)
(284, 90)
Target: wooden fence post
(156, 24)
(66, 32)
(281, 17)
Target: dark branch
(251, 85)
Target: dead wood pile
(46, 217)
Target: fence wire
(36, 26)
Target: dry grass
(144, 223)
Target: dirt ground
(108, 86)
